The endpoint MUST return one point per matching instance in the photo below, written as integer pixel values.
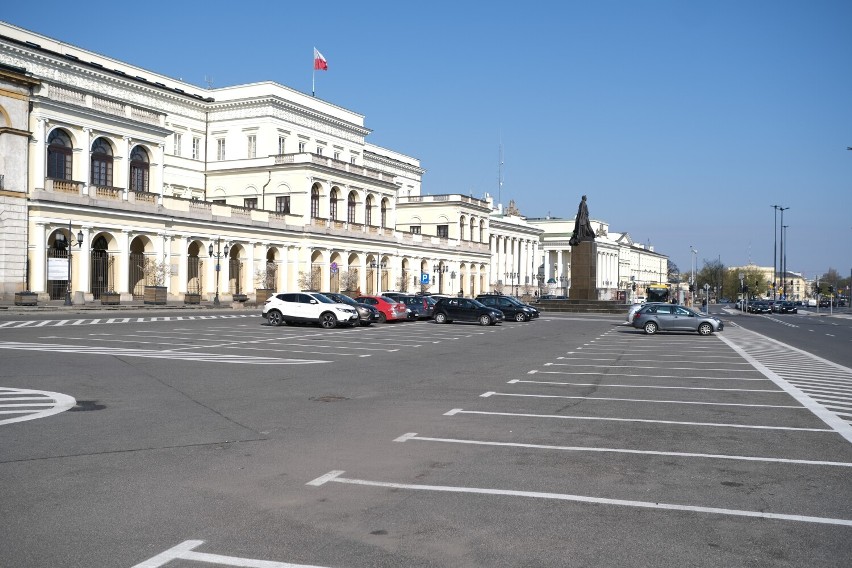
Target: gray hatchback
(670, 317)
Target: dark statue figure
(582, 227)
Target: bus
(658, 293)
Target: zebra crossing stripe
(20, 409)
(17, 324)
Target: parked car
(307, 307)
(421, 306)
(389, 310)
(632, 311)
(367, 314)
(511, 307)
(670, 317)
(448, 310)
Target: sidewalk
(58, 306)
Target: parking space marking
(455, 411)
(601, 385)
(154, 354)
(335, 477)
(186, 551)
(493, 393)
(414, 436)
(18, 402)
(599, 374)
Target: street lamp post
(692, 283)
(70, 245)
(440, 269)
(217, 255)
(378, 267)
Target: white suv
(307, 307)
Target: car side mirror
(314, 302)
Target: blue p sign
(424, 278)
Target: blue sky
(683, 122)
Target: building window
(59, 155)
(282, 144)
(252, 146)
(196, 148)
(220, 202)
(315, 197)
(250, 202)
(384, 212)
(332, 205)
(282, 204)
(178, 144)
(352, 159)
(220, 148)
(444, 231)
(101, 163)
(139, 169)
(414, 229)
(319, 150)
(337, 155)
(301, 147)
(350, 208)
(368, 211)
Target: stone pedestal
(584, 262)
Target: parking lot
(565, 441)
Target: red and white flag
(319, 61)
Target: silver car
(670, 317)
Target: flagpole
(314, 77)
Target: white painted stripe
(655, 376)
(28, 404)
(7, 323)
(485, 395)
(455, 411)
(414, 436)
(579, 498)
(830, 418)
(667, 367)
(62, 403)
(643, 386)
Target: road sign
(424, 278)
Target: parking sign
(424, 278)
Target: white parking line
(455, 411)
(514, 381)
(414, 436)
(653, 376)
(184, 551)
(335, 477)
(492, 393)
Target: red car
(389, 310)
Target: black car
(787, 308)
(759, 308)
(421, 306)
(448, 310)
(511, 307)
(366, 314)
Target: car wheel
(520, 316)
(383, 318)
(440, 318)
(705, 329)
(650, 328)
(274, 318)
(328, 320)
(484, 320)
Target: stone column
(183, 263)
(39, 143)
(123, 267)
(86, 161)
(38, 261)
(82, 289)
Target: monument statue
(582, 227)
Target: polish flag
(319, 61)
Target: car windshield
(344, 299)
(322, 299)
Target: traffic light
(634, 286)
(830, 289)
